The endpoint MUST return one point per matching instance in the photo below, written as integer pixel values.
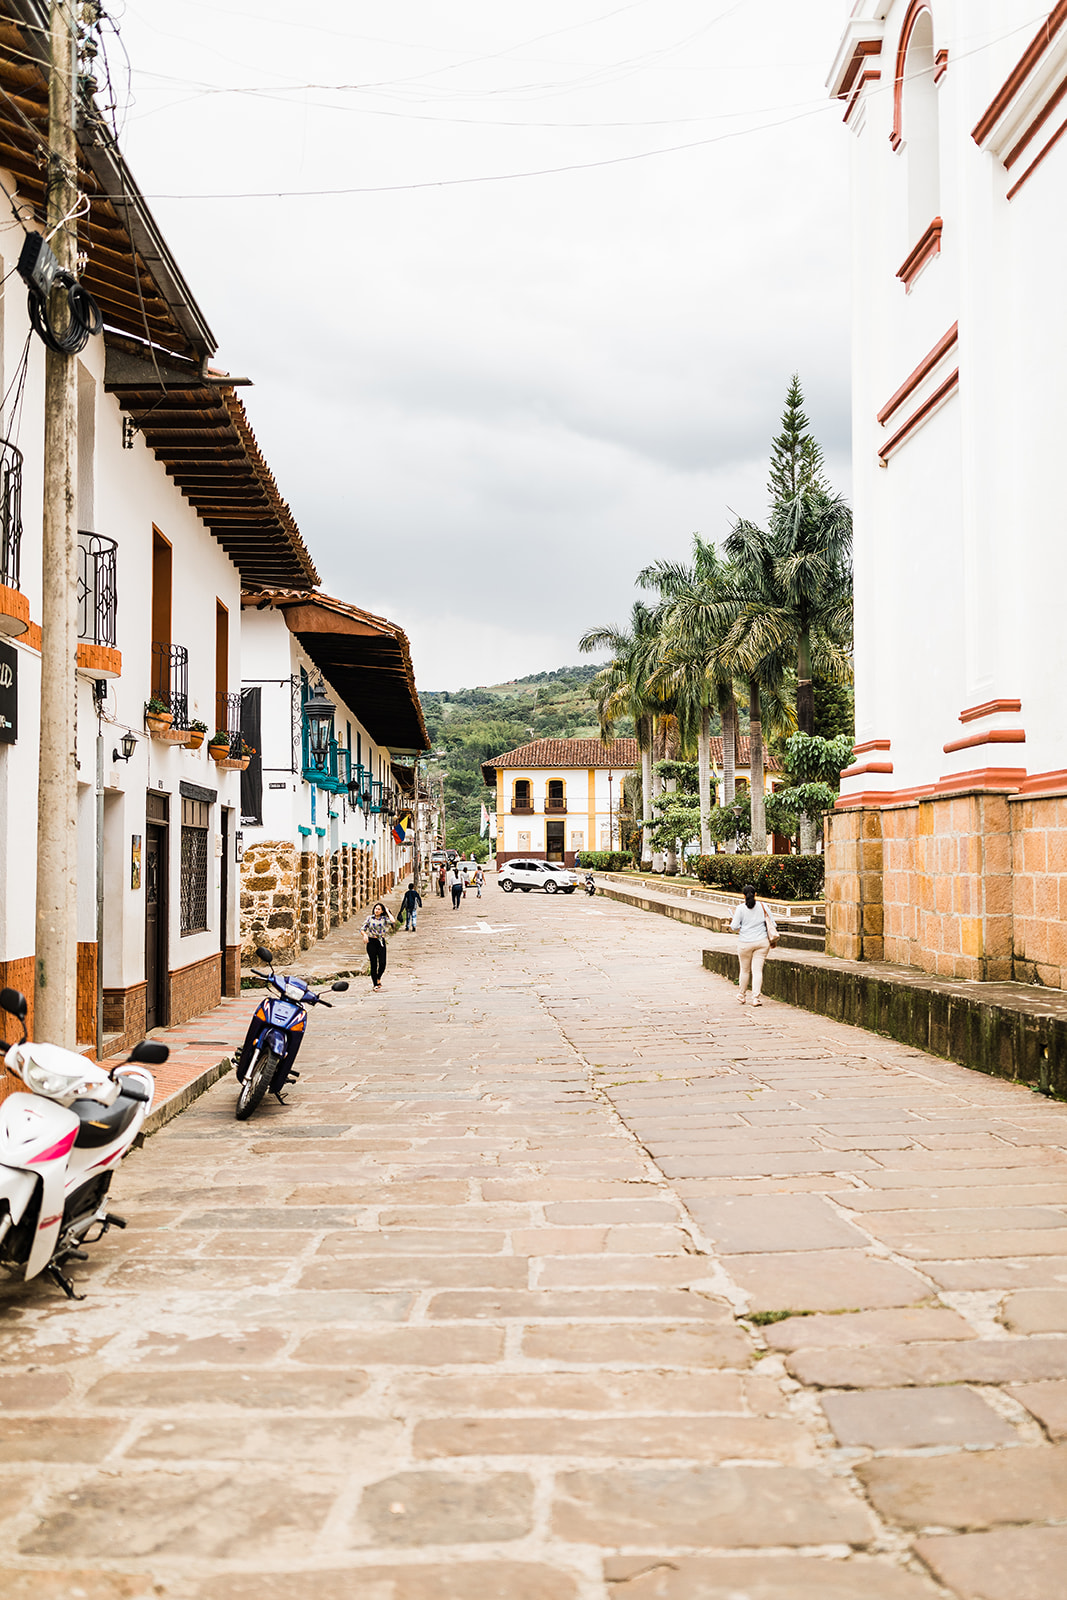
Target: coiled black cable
(84, 318)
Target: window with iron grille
(196, 818)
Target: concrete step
(795, 939)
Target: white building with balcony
(178, 511)
(555, 797)
(330, 709)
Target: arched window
(522, 795)
(915, 119)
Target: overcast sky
(490, 402)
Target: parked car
(550, 876)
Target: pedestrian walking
(375, 930)
(757, 931)
(409, 906)
(441, 875)
(455, 884)
(479, 879)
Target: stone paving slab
(503, 1305)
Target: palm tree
(794, 599)
(622, 688)
(691, 617)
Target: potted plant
(157, 715)
(198, 730)
(245, 752)
(218, 746)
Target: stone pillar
(854, 898)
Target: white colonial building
(327, 791)
(555, 797)
(943, 848)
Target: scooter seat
(102, 1124)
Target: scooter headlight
(50, 1082)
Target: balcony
(98, 603)
(228, 717)
(522, 808)
(170, 684)
(14, 607)
(555, 808)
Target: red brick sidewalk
(200, 1053)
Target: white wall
(960, 560)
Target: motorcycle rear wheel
(258, 1080)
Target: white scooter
(59, 1147)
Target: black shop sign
(9, 694)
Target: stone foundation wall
(291, 898)
(269, 896)
(969, 886)
(1039, 881)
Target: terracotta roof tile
(566, 753)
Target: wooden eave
(158, 341)
(365, 658)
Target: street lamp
(319, 713)
(129, 745)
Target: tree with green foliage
(623, 686)
(690, 668)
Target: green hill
(469, 725)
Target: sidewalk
(202, 1049)
(1009, 1030)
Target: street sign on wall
(9, 693)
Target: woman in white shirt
(749, 922)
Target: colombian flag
(401, 828)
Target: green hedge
(777, 877)
(604, 860)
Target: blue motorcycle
(275, 1034)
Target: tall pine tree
(796, 459)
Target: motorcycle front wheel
(258, 1079)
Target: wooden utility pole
(55, 971)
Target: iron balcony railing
(170, 680)
(98, 598)
(10, 513)
(228, 716)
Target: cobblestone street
(466, 1319)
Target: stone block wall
(270, 888)
(1039, 880)
(291, 898)
(966, 886)
(854, 882)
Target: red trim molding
(940, 65)
(870, 76)
(1032, 168)
(1026, 63)
(871, 744)
(914, 12)
(1039, 783)
(867, 766)
(989, 709)
(1000, 779)
(865, 49)
(924, 252)
(928, 407)
(989, 736)
(922, 372)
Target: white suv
(547, 875)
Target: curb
(168, 1109)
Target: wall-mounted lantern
(129, 745)
(319, 713)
